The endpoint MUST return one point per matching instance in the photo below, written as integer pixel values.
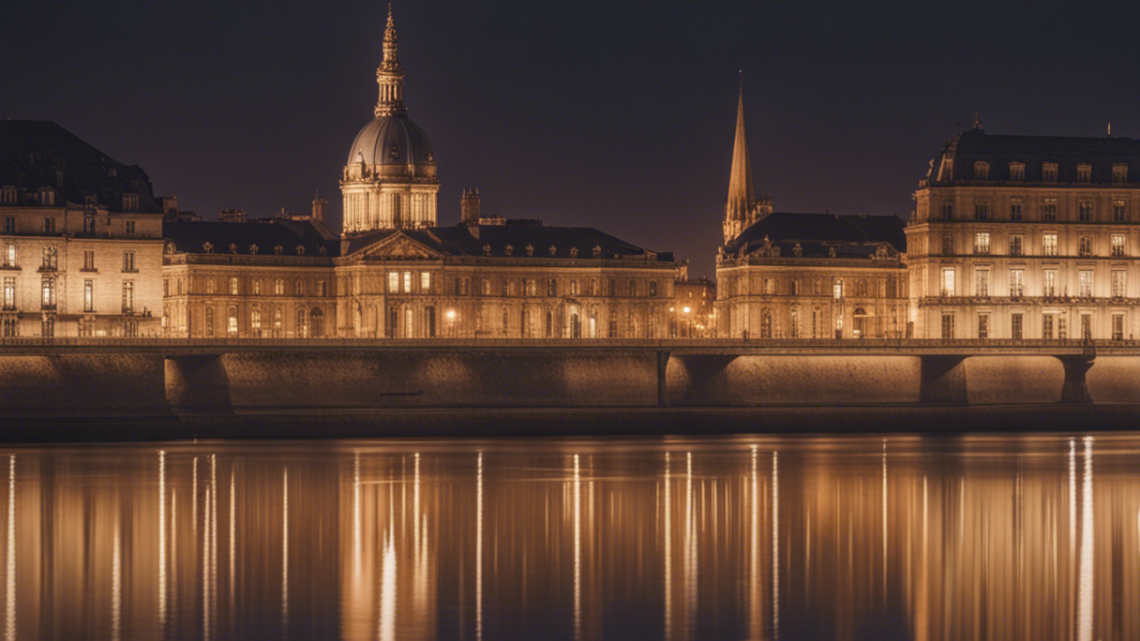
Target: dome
(391, 140)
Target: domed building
(389, 179)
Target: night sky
(617, 115)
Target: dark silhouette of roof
(266, 234)
(38, 153)
(817, 233)
(999, 151)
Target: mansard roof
(39, 153)
(493, 240)
(192, 237)
(818, 233)
(1067, 152)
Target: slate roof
(817, 233)
(190, 237)
(33, 151)
(391, 140)
(461, 240)
(1001, 150)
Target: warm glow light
(10, 597)
(668, 555)
(451, 314)
(577, 551)
(1085, 596)
(686, 310)
(388, 590)
(775, 545)
(356, 513)
(285, 554)
(479, 553)
(754, 557)
(161, 538)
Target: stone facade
(1027, 237)
(81, 238)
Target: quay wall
(150, 384)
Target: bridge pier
(1076, 387)
(943, 380)
(198, 384)
(662, 380)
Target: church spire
(390, 75)
(739, 211)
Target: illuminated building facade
(1027, 237)
(792, 275)
(81, 237)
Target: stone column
(1076, 388)
(943, 380)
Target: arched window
(255, 320)
(549, 323)
(278, 320)
(318, 321)
(575, 326)
(429, 322)
(232, 322)
(860, 322)
(765, 323)
(279, 287)
(302, 324)
(794, 326)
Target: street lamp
(690, 326)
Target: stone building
(394, 272)
(792, 275)
(1027, 237)
(81, 238)
(693, 309)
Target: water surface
(903, 537)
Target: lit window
(50, 259)
(128, 296)
(1049, 209)
(255, 319)
(837, 288)
(233, 286)
(982, 242)
(1119, 211)
(48, 287)
(210, 285)
(10, 256)
(393, 282)
(407, 282)
(1086, 283)
(279, 287)
(1017, 282)
(948, 281)
(1015, 245)
(982, 282)
(232, 321)
(1118, 244)
(1084, 211)
(425, 281)
(1049, 244)
(1049, 287)
(88, 295)
(1086, 246)
(1119, 283)
(9, 293)
(257, 287)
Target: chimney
(469, 205)
(319, 208)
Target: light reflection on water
(796, 538)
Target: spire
(738, 212)
(390, 75)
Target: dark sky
(617, 115)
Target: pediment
(399, 247)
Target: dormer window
(1084, 173)
(1017, 171)
(47, 196)
(130, 202)
(1049, 172)
(1119, 174)
(8, 195)
(981, 170)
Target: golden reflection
(116, 583)
(775, 545)
(233, 537)
(10, 583)
(388, 590)
(667, 531)
(885, 511)
(285, 553)
(479, 553)
(162, 538)
(754, 616)
(1085, 598)
(356, 513)
(577, 551)
(194, 495)
(690, 565)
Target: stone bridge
(156, 376)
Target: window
(573, 287)
(981, 210)
(549, 324)
(9, 293)
(983, 326)
(1118, 327)
(89, 260)
(425, 282)
(48, 289)
(47, 327)
(1118, 244)
(1062, 332)
(178, 285)
(1086, 283)
(429, 321)
(947, 211)
(1086, 246)
(652, 289)
(1049, 209)
(948, 282)
(506, 321)
(1086, 326)
(769, 286)
(1017, 171)
(795, 287)
(10, 256)
(982, 242)
(89, 222)
(1047, 326)
(632, 288)
(257, 287)
(255, 320)
(1084, 173)
(279, 287)
(49, 225)
(794, 327)
(129, 262)
(232, 321)
(982, 282)
(817, 287)
(837, 288)
(89, 296)
(278, 319)
(394, 283)
(322, 288)
(981, 170)
(613, 333)
(1119, 173)
(1016, 245)
(130, 202)
(552, 288)
(1016, 326)
(317, 321)
(303, 324)
(407, 282)
(1119, 283)
(1049, 244)
(1049, 172)
(129, 225)
(234, 287)
(1017, 282)
(9, 225)
(211, 285)
(1084, 211)
(1119, 211)
(209, 322)
(1049, 286)
(50, 259)
(486, 291)
(128, 296)
(1015, 209)
(947, 325)
(299, 287)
